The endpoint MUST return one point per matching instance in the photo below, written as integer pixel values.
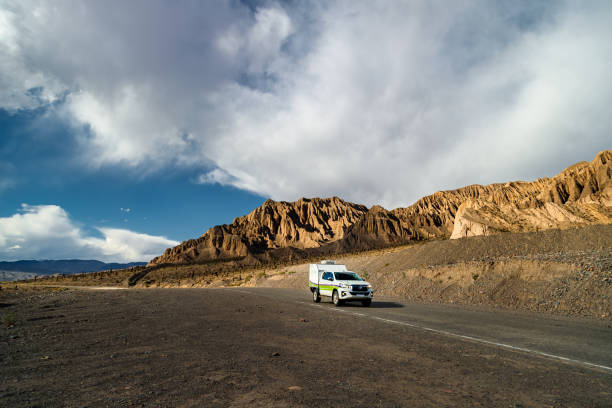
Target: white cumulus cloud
(48, 232)
(375, 101)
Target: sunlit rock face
(306, 223)
(579, 195)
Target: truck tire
(315, 296)
(336, 298)
(366, 303)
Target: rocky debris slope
(283, 231)
(306, 223)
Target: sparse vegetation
(475, 276)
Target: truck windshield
(347, 276)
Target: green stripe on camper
(322, 287)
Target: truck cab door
(325, 285)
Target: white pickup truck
(334, 280)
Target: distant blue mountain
(28, 268)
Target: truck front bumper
(347, 294)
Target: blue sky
(40, 158)
(192, 113)
(45, 171)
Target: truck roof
(329, 267)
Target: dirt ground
(225, 348)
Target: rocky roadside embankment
(580, 287)
(560, 272)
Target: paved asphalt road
(587, 343)
(264, 347)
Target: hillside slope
(566, 272)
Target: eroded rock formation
(579, 195)
(306, 223)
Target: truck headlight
(343, 285)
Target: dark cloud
(377, 102)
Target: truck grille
(360, 288)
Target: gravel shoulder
(223, 347)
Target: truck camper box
(317, 270)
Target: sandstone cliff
(306, 223)
(579, 195)
(378, 228)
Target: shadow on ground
(376, 305)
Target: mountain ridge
(29, 268)
(581, 194)
(305, 223)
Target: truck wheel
(315, 296)
(366, 303)
(336, 298)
